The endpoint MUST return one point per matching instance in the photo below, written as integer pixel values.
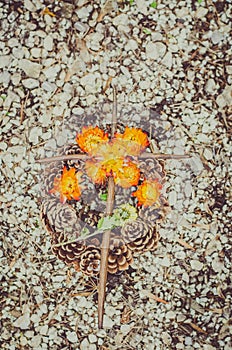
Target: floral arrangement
(127, 177)
(76, 233)
(109, 158)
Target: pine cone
(139, 236)
(72, 149)
(120, 256)
(89, 217)
(58, 217)
(70, 253)
(51, 171)
(151, 169)
(90, 260)
(154, 214)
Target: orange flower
(67, 185)
(135, 140)
(90, 138)
(95, 171)
(127, 174)
(148, 192)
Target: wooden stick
(74, 157)
(164, 156)
(104, 255)
(106, 234)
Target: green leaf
(107, 223)
(103, 196)
(199, 1)
(146, 31)
(154, 4)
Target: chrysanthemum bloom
(148, 192)
(67, 185)
(95, 171)
(90, 138)
(133, 140)
(127, 174)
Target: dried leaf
(125, 317)
(154, 297)
(197, 328)
(185, 244)
(46, 11)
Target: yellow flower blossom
(90, 138)
(148, 192)
(67, 185)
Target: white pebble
(155, 50)
(48, 43)
(92, 338)
(216, 37)
(72, 337)
(30, 83)
(31, 69)
(196, 265)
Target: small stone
(35, 342)
(36, 52)
(172, 198)
(94, 41)
(12, 42)
(84, 344)
(208, 154)
(229, 69)
(155, 50)
(48, 43)
(165, 261)
(224, 99)
(23, 322)
(16, 78)
(121, 19)
(188, 189)
(216, 37)
(201, 12)
(72, 337)
(51, 72)
(171, 315)
(188, 341)
(210, 86)
(5, 78)
(35, 318)
(131, 45)
(167, 60)
(49, 87)
(92, 338)
(44, 330)
(217, 265)
(108, 322)
(31, 69)
(30, 83)
(196, 265)
(28, 4)
(3, 146)
(182, 12)
(35, 132)
(5, 61)
(84, 11)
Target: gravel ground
(168, 59)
